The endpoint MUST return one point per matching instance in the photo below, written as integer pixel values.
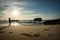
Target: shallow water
(19, 23)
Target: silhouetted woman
(9, 21)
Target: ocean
(15, 23)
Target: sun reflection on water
(15, 24)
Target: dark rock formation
(37, 19)
(55, 21)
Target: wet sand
(48, 32)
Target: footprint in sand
(10, 32)
(1, 31)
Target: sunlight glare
(15, 12)
(15, 24)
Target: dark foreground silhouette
(34, 35)
(28, 35)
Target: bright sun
(15, 12)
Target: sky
(29, 9)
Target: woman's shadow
(3, 27)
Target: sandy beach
(47, 32)
(29, 19)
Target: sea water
(14, 23)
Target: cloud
(29, 0)
(2, 8)
(23, 13)
(8, 3)
(11, 2)
(28, 9)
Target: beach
(29, 19)
(47, 32)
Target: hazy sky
(29, 9)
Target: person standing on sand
(9, 21)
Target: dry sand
(48, 32)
